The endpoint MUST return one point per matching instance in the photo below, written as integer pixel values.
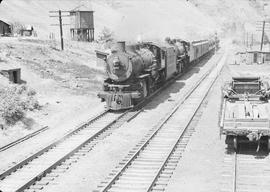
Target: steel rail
(18, 141)
(135, 155)
(9, 145)
(22, 163)
(136, 110)
(53, 166)
(182, 134)
(235, 172)
(48, 170)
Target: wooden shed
(82, 24)
(5, 28)
(12, 73)
(28, 31)
(251, 57)
(258, 57)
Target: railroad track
(31, 135)
(41, 168)
(18, 141)
(246, 170)
(64, 151)
(150, 164)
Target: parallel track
(150, 164)
(18, 141)
(41, 168)
(246, 171)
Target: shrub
(15, 101)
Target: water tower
(82, 24)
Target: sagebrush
(15, 100)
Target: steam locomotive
(135, 71)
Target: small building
(251, 57)
(5, 28)
(28, 31)
(12, 73)
(82, 24)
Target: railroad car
(245, 115)
(135, 71)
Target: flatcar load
(245, 115)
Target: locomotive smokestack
(121, 46)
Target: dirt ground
(66, 82)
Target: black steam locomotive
(135, 71)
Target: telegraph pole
(262, 35)
(263, 26)
(60, 24)
(61, 30)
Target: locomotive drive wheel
(235, 143)
(232, 142)
(268, 144)
(144, 88)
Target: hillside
(156, 18)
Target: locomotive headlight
(116, 63)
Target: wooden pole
(262, 35)
(61, 30)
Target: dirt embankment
(66, 82)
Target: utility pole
(263, 27)
(262, 35)
(61, 30)
(60, 24)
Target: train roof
(161, 45)
(199, 42)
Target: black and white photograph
(134, 96)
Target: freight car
(136, 71)
(244, 112)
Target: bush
(15, 101)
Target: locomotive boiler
(131, 71)
(126, 62)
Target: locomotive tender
(136, 71)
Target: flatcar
(244, 116)
(135, 71)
